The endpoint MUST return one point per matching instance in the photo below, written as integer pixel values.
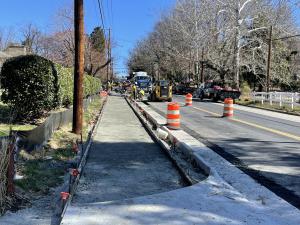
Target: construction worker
(108, 86)
(141, 94)
(134, 88)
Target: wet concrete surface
(124, 162)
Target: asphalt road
(264, 145)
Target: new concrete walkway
(228, 196)
(124, 162)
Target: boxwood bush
(33, 86)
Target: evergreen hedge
(33, 86)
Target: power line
(286, 37)
(101, 13)
(111, 13)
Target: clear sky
(130, 20)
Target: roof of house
(4, 55)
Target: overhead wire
(100, 6)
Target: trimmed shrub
(30, 85)
(34, 85)
(4, 158)
(66, 85)
(91, 85)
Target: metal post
(280, 100)
(269, 59)
(292, 101)
(79, 67)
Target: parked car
(183, 89)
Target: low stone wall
(36, 138)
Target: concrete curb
(162, 144)
(187, 150)
(221, 172)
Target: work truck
(142, 81)
(216, 90)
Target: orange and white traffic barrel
(173, 116)
(188, 99)
(228, 107)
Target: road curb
(220, 171)
(151, 128)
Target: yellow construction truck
(161, 91)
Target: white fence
(281, 98)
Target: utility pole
(111, 62)
(79, 67)
(197, 43)
(202, 66)
(112, 66)
(108, 58)
(269, 59)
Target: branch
(244, 5)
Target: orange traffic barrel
(188, 99)
(228, 107)
(173, 116)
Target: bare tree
(32, 38)
(231, 33)
(7, 36)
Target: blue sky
(130, 20)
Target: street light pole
(79, 67)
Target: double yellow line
(285, 134)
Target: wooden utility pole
(111, 59)
(108, 58)
(269, 59)
(202, 67)
(11, 168)
(79, 67)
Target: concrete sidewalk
(228, 196)
(124, 162)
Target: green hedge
(33, 86)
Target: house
(294, 46)
(12, 50)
